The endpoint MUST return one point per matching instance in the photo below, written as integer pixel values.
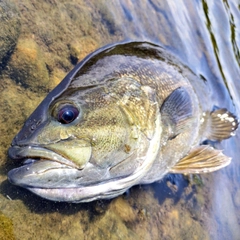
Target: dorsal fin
(176, 109)
(201, 159)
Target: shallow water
(204, 34)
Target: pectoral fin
(221, 125)
(201, 159)
(177, 106)
(176, 111)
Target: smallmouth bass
(128, 114)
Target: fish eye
(67, 114)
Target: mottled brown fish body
(127, 114)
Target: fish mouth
(37, 165)
(31, 154)
(53, 177)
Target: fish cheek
(107, 146)
(107, 129)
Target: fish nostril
(33, 127)
(15, 141)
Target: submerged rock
(27, 65)
(6, 228)
(9, 30)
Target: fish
(127, 114)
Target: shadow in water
(171, 186)
(41, 206)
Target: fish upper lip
(36, 152)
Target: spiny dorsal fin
(176, 109)
(222, 124)
(201, 159)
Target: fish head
(90, 137)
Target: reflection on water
(204, 34)
(234, 32)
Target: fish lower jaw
(76, 195)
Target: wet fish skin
(141, 113)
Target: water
(205, 35)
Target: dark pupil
(67, 114)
